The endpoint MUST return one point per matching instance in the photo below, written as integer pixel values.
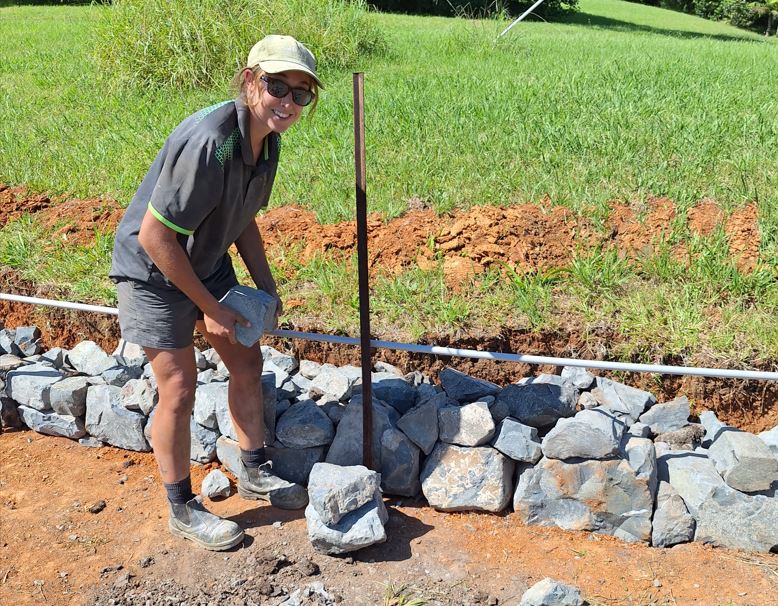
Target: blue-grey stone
(672, 523)
(333, 409)
(425, 392)
(294, 464)
(641, 456)
(346, 448)
(108, 420)
(537, 404)
(130, 354)
(303, 384)
(228, 453)
(743, 460)
(201, 363)
(304, 425)
(456, 478)
(668, 416)
(68, 396)
(215, 484)
(29, 385)
(28, 340)
(56, 356)
(628, 402)
(518, 441)
(468, 425)
(333, 383)
(464, 388)
(578, 377)
(395, 391)
(335, 490)
(357, 530)
(8, 342)
(119, 375)
(90, 442)
(139, 395)
(281, 407)
(202, 440)
(399, 464)
(89, 358)
(639, 430)
(552, 593)
(591, 434)
(420, 424)
(52, 424)
(285, 362)
(256, 306)
(10, 362)
(309, 369)
(770, 438)
(209, 398)
(384, 367)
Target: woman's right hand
(221, 321)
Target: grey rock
(346, 447)
(215, 484)
(305, 425)
(417, 378)
(468, 425)
(8, 342)
(294, 464)
(9, 414)
(208, 398)
(139, 395)
(281, 376)
(425, 392)
(358, 529)
(538, 404)
(51, 423)
(641, 455)
(385, 367)
(288, 390)
(331, 382)
(672, 523)
(228, 453)
(29, 385)
(27, 338)
(711, 424)
(285, 362)
(576, 438)
(586, 401)
(354, 373)
(743, 460)
(108, 420)
(334, 410)
(464, 388)
(256, 306)
(399, 464)
(334, 490)
(455, 478)
(518, 441)
(669, 416)
(724, 516)
(639, 430)
(68, 396)
(201, 363)
(552, 593)
(628, 402)
(604, 497)
(119, 375)
(88, 358)
(309, 369)
(56, 356)
(130, 354)
(603, 419)
(770, 438)
(281, 407)
(420, 424)
(688, 438)
(10, 362)
(394, 390)
(302, 384)
(578, 377)
(212, 357)
(91, 442)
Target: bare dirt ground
(54, 551)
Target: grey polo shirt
(203, 185)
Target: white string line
(457, 352)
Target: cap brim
(275, 67)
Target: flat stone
(52, 424)
(455, 478)
(552, 593)
(578, 377)
(305, 425)
(672, 523)
(394, 390)
(228, 453)
(399, 464)
(580, 439)
(770, 438)
(357, 530)
(331, 382)
(668, 416)
(604, 497)
(108, 420)
(538, 404)
(68, 396)
(743, 460)
(294, 464)
(139, 395)
(518, 441)
(10, 362)
(468, 425)
(464, 388)
(346, 448)
(29, 385)
(119, 375)
(89, 358)
(215, 484)
(628, 402)
(334, 490)
(420, 423)
(256, 306)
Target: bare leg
(245, 389)
(176, 376)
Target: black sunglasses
(280, 89)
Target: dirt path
(53, 551)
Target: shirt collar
(244, 120)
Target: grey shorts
(164, 318)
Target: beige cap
(276, 54)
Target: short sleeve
(189, 186)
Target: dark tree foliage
(471, 7)
(742, 13)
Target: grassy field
(619, 101)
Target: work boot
(261, 483)
(194, 522)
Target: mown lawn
(619, 101)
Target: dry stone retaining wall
(574, 451)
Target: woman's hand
(221, 321)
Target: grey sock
(253, 458)
(180, 492)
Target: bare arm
(162, 247)
(252, 251)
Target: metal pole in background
(364, 290)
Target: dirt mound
(705, 217)
(76, 221)
(744, 237)
(18, 201)
(636, 236)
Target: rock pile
(575, 451)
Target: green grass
(620, 101)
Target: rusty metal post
(362, 261)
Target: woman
(171, 267)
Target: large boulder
(346, 448)
(627, 402)
(139, 395)
(305, 425)
(455, 478)
(294, 464)
(334, 490)
(332, 382)
(89, 358)
(399, 464)
(591, 434)
(420, 423)
(464, 388)
(537, 404)
(108, 420)
(356, 530)
(52, 424)
(605, 497)
(68, 396)
(668, 416)
(743, 460)
(468, 425)
(672, 523)
(770, 438)
(29, 385)
(394, 391)
(518, 441)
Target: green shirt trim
(166, 223)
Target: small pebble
(657, 583)
(278, 524)
(123, 479)
(97, 507)
(146, 562)
(128, 463)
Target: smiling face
(273, 113)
